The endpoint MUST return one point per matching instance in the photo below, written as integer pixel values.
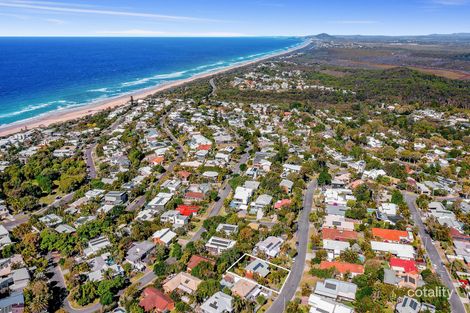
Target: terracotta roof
(153, 298)
(456, 235)
(337, 234)
(281, 203)
(196, 259)
(158, 160)
(389, 234)
(409, 266)
(343, 267)
(204, 147)
(194, 195)
(187, 210)
(184, 174)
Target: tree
(176, 251)
(159, 268)
(106, 298)
(206, 289)
(324, 178)
(37, 296)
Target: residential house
(290, 168)
(153, 300)
(227, 228)
(392, 235)
(271, 246)
(246, 289)
(339, 234)
(257, 267)
(339, 222)
(187, 210)
(138, 252)
(400, 250)
(174, 217)
(4, 237)
(343, 268)
(334, 248)
(96, 245)
(408, 305)
(260, 203)
(218, 303)
(242, 196)
(195, 260)
(217, 245)
(116, 197)
(159, 202)
(101, 264)
(336, 289)
(286, 185)
(51, 220)
(163, 236)
(319, 304)
(182, 281)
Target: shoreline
(58, 116)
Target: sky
(232, 17)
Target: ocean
(40, 75)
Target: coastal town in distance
(331, 178)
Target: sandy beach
(58, 116)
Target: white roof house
(388, 208)
(51, 220)
(219, 302)
(242, 195)
(218, 245)
(324, 305)
(96, 245)
(336, 289)
(160, 200)
(338, 222)
(400, 250)
(164, 236)
(335, 247)
(271, 246)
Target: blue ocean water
(39, 75)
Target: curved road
(297, 270)
(224, 192)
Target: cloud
(150, 33)
(451, 2)
(60, 7)
(54, 21)
(354, 22)
(18, 16)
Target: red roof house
(282, 203)
(390, 235)
(456, 235)
(194, 196)
(187, 210)
(184, 175)
(154, 299)
(343, 267)
(196, 259)
(406, 266)
(204, 147)
(338, 234)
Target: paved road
(224, 192)
(433, 255)
(90, 163)
(214, 87)
(297, 270)
(24, 217)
